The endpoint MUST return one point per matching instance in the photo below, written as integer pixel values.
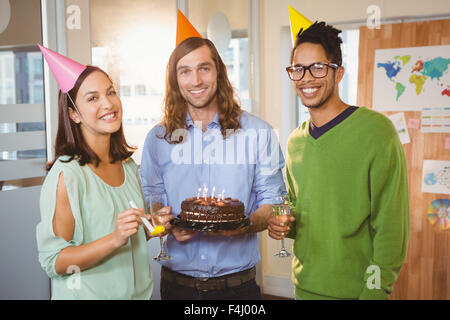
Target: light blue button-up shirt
(247, 165)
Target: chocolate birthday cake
(212, 210)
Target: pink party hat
(65, 70)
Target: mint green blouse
(125, 274)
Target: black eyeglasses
(317, 70)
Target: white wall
(200, 11)
(78, 36)
(24, 26)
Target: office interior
(132, 41)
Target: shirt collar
(189, 122)
(216, 119)
(214, 122)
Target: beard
(320, 103)
(324, 99)
(203, 105)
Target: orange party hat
(185, 29)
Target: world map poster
(408, 79)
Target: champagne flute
(157, 218)
(281, 208)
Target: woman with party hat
(91, 243)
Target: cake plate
(209, 226)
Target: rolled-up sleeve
(268, 181)
(151, 174)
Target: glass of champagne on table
(281, 208)
(159, 217)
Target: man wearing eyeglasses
(347, 178)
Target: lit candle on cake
(223, 194)
(205, 192)
(198, 193)
(212, 193)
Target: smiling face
(315, 92)
(99, 105)
(197, 78)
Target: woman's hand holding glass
(160, 217)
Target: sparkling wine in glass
(158, 201)
(281, 208)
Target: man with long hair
(206, 140)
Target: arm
(258, 222)
(150, 172)
(389, 219)
(259, 218)
(268, 183)
(164, 220)
(88, 255)
(153, 183)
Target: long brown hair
(175, 108)
(69, 138)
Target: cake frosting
(212, 210)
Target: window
(21, 82)
(7, 83)
(125, 91)
(349, 84)
(236, 60)
(201, 13)
(140, 90)
(134, 51)
(348, 87)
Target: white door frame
(54, 38)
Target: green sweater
(350, 194)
